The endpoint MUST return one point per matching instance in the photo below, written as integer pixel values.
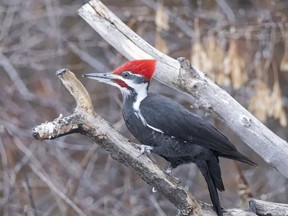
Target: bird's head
(132, 76)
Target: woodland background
(241, 44)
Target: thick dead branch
(182, 76)
(86, 122)
(260, 207)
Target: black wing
(175, 120)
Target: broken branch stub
(58, 127)
(77, 90)
(70, 124)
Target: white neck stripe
(139, 115)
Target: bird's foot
(145, 148)
(169, 171)
(177, 180)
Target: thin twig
(226, 10)
(156, 205)
(27, 188)
(38, 170)
(6, 185)
(75, 182)
(14, 76)
(85, 57)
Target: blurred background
(242, 45)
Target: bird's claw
(145, 148)
(177, 180)
(169, 171)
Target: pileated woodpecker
(166, 128)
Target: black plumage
(184, 138)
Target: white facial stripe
(108, 81)
(124, 91)
(141, 92)
(116, 76)
(138, 75)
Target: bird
(166, 128)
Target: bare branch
(75, 182)
(27, 187)
(227, 10)
(260, 207)
(62, 126)
(13, 74)
(85, 57)
(37, 169)
(78, 91)
(59, 127)
(182, 76)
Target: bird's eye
(126, 74)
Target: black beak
(98, 76)
(102, 77)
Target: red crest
(145, 67)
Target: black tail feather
(235, 155)
(203, 166)
(215, 173)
